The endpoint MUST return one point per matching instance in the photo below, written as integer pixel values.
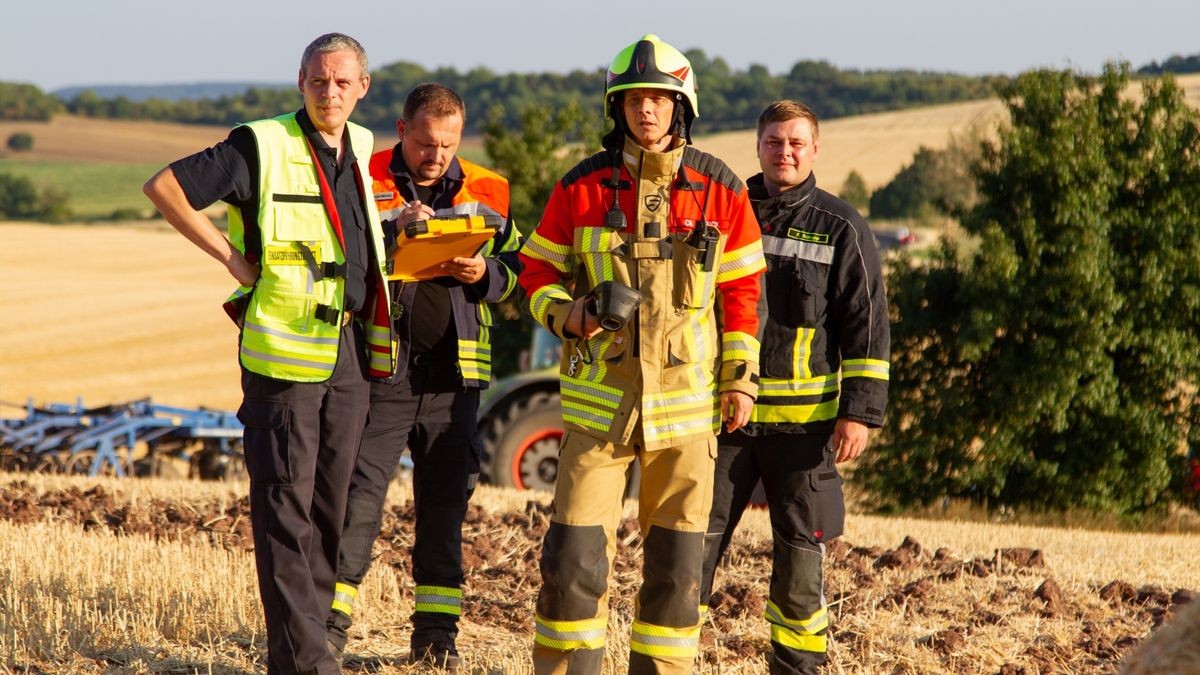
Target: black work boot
(437, 655)
(336, 627)
(335, 651)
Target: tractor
(520, 420)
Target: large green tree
(935, 181)
(1053, 361)
(533, 156)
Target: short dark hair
(787, 109)
(437, 100)
(334, 42)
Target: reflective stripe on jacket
(665, 367)
(825, 339)
(480, 192)
(292, 321)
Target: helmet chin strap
(681, 126)
(615, 139)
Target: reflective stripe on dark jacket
(825, 312)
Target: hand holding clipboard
(423, 246)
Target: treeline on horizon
(729, 98)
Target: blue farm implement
(135, 438)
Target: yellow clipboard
(422, 246)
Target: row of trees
(1175, 64)
(730, 98)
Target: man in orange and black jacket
(432, 401)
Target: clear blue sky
(73, 42)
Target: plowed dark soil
(501, 554)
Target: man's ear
(400, 128)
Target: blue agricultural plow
(135, 438)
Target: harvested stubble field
(157, 576)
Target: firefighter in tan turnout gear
(647, 262)
(825, 313)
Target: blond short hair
(787, 109)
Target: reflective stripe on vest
(805, 399)
(586, 400)
(694, 410)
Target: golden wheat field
(112, 314)
(156, 575)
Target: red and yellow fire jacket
(694, 333)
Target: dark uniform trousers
(432, 414)
(301, 440)
(804, 495)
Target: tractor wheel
(10, 461)
(48, 462)
(521, 447)
(80, 464)
(213, 464)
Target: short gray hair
(334, 42)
